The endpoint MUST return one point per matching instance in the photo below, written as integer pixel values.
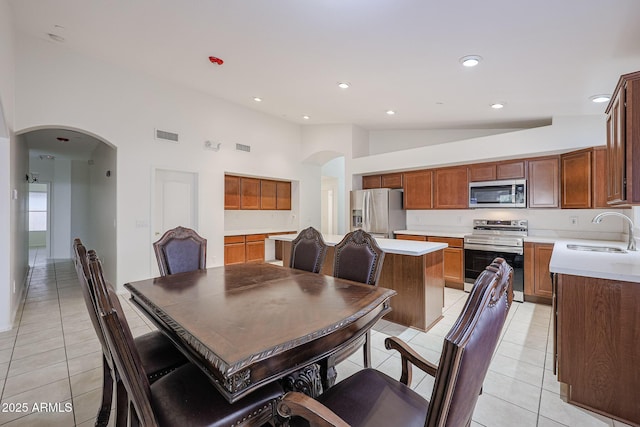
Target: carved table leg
(328, 372)
(306, 380)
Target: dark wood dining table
(246, 325)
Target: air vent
(166, 135)
(242, 147)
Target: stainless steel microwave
(511, 193)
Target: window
(38, 207)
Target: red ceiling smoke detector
(61, 139)
(215, 60)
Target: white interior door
(176, 201)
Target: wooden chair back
(359, 258)
(179, 250)
(469, 347)
(120, 341)
(308, 251)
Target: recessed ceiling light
(390, 112)
(497, 105)
(600, 98)
(470, 60)
(257, 99)
(306, 117)
(344, 85)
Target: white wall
(79, 200)
(564, 134)
(335, 168)
(123, 108)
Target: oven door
(478, 258)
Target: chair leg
(102, 419)
(122, 404)
(367, 350)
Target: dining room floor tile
(53, 356)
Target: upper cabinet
(583, 179)
(497, 170)
(623, 142)
(388, 180)
(418, 190)
(544, 182)
(451, 188)
(253, 193)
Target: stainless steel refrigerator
(378, 211)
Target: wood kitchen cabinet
(577, 179)
(249, 193)
(387, 180)
(244, 248)
(453, 257)
(623, 141)
(268, 192)
(537, 278)
(543, 184)
(451, 188)
(597, 325)
(254, 247)
(283, 195)
(234, 250)
(231, 192)
(511, 169)
(453, 261)
(418, 189)
(242, 192)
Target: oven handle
(492, 248)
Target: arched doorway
(72, 193)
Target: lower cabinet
(243, 249)
(537, 278)
(453, 257)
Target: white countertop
(602, 265)
(435, 233)
(392, 246)
(258, 231)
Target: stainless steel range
(493, 238)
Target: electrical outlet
(573, 220)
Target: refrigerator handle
(366, 199)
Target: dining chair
(183, 397)
(308, 251)
(179, 250)
(370, 398)
(158, 354)
(358, 257)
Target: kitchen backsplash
(564, 223)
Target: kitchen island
(415, 270)
(597, 326)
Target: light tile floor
(53, 357)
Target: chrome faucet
(632, 241)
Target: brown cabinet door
(371, 181)
(249, 193)
(453, 242)
(510, 170)
(616, 149)
(543, 183)
(576, 182)
(453, 260)
(451, 188)
(231, 192)
(542, 282)
(234, 252)
(482, 172)
(417, 190)
(267, 194)
(255, 248)
(283, 194)
(599, 177)
(537, 279)
(391, 180)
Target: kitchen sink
(592, 248)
